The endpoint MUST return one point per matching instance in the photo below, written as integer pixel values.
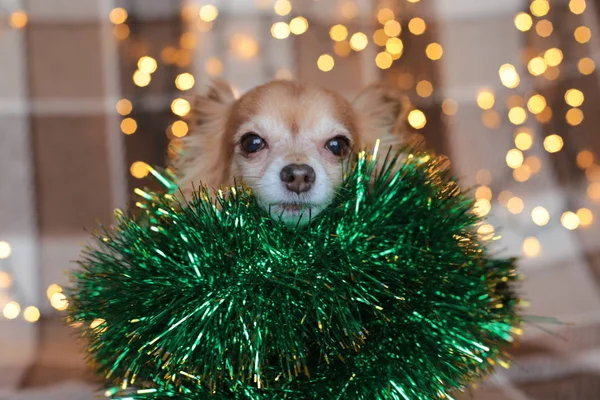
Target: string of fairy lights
(246, 47)
(545, 64)
(387, 36)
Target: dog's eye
(339, 146)
(251, 143)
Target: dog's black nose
(298, 178)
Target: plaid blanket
(64, 161)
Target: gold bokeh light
(147, 65)
(531, 247)
(486, 231)
(325, 62)
(574, 97)
(449, 107)
(349, 9)
(31, 314)
(11, 310)
(282, 7)
(486, 99)
(280, 30)
(213, 66)
(539, 8)
(208, 13)
(5, 250)
(570, 220)
(359, 41)
(118, 15)
(586, 66)
(244, 46)
(424, 88)
(577, 6)
(534, 164)
(553, 56)
(185, 81)
(537, 66)
(139, 169)
(434, 51)
(509, 76)
(179, 129)
(339, 32)
(384, 60)
(585, 159)
(380, 38)
(298, 25)
(59, 301)
(18, 19)
(574, 116)
(483, 192)
(121, 31)
(392, 28)
(394, 46)
(180, 107)
(482, 207)
(544, 28)
(384, 15)
(522, 174)
(586, 217)
(124, 107)
(582, 34)
(53, 289)
(129, 126)
(593, 191)
(417, 119)
(517, 115)
(417, 26)
(141, 79)
(553, 143)
(515, 205)
(5, 280)
(540, 216)
(536, 104)
(523, 21)
(514, 158)
(523, 140)
(342, 48)
(491, 119)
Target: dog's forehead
(297, 108)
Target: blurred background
(92, 90)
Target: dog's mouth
(294, 208)
(295, 213)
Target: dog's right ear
(206, 154)
(382, 111)
(217, 99)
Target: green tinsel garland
(388, 294)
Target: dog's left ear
(207, 150)
(382, 112)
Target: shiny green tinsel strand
(388, 294)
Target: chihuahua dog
(287, 141)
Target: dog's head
(288, 142)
